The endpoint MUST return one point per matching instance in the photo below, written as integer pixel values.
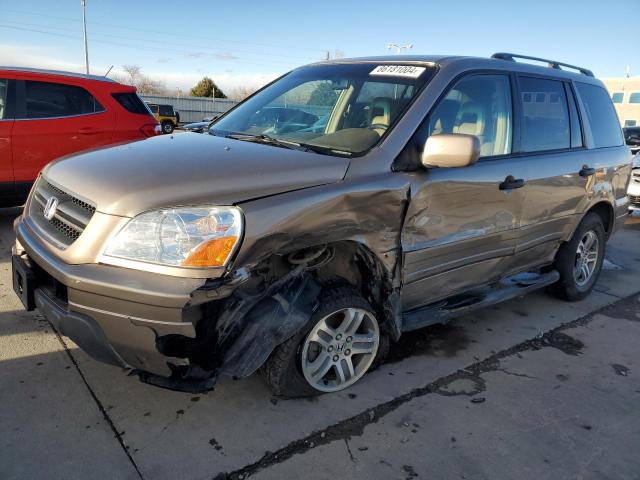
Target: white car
(634, 185)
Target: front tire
(579, 261)
(340, 343)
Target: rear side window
(166, 110)
(601, 115)
(4, 86)
(477, 105)
(131, 102)
(49, 100)
(545, 122)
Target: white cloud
(48, 58)
(36, 57)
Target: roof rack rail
(511, 57)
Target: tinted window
(3, 96)
(629, 123)
(47, 100)
(545, 122)
(601, 115)
(166, 110)
(617, 97)
(478, 105)
(634, 97)
(131, 102)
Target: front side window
(634, 97)
(477, 105)
(340, 109)
(545, 123)
(601, 114)
(617, 97)
(4, 86)
(49, 100)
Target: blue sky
(250, 42)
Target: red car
(45, 115)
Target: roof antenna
(108, 70)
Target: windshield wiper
(305, 147)
(263, 138)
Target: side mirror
(451, 150)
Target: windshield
(337, 109)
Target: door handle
(587, 171)
(511, 182)
(87, 130)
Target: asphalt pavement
(533, 388)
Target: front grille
(634, 200)
(70, 218)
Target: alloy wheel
(339, 349)
(586, 258)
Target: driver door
(460, 227)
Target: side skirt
(458, 305)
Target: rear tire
(167, 127)
(289, 370)
(579, 261)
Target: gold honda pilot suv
(343, 204)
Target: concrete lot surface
(533, 388)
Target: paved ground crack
(355, 425)
(97, 402)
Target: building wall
(627, 112)
(193, 109)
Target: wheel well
(605, 210)
(357, 265)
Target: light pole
(399, 48)
(84, 26)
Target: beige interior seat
(380, 113)
(471, 120)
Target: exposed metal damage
(263, 304)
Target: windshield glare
(340, 108)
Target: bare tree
(133, 76)
(241, 92)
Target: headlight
(180, 237)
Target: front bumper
(114, 314)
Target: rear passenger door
(557, 170)
(53, 120)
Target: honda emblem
(50, 208)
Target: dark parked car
(304, 245)
(198, 127)
(632, 138)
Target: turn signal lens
(213, 253)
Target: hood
(189, 169)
